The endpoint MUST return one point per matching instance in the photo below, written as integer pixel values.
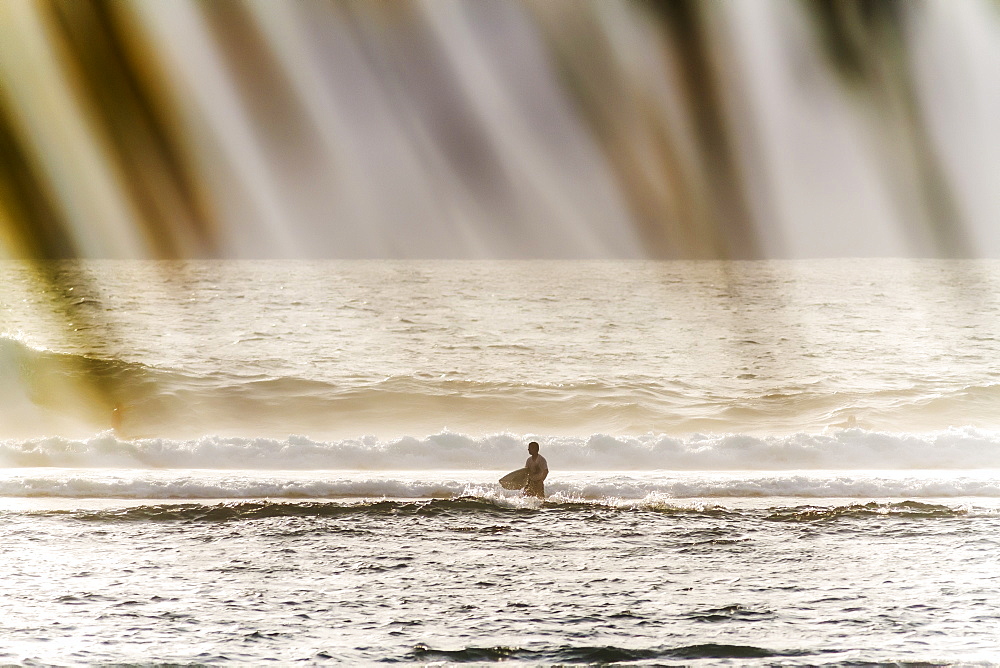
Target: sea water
(759, 463)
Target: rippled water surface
(764, 463)
(343, 349)
(472, 579)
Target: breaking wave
(846, 449)
(631, 490)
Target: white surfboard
(515, 479)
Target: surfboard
(515, 479)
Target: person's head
(532, 448)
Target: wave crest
(847, 449)
(50, 393)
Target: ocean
(296, 462)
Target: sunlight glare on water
(746, 464)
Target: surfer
(538, 469)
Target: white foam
(852, 449)
(649, 489)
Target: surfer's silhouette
(538, 470)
